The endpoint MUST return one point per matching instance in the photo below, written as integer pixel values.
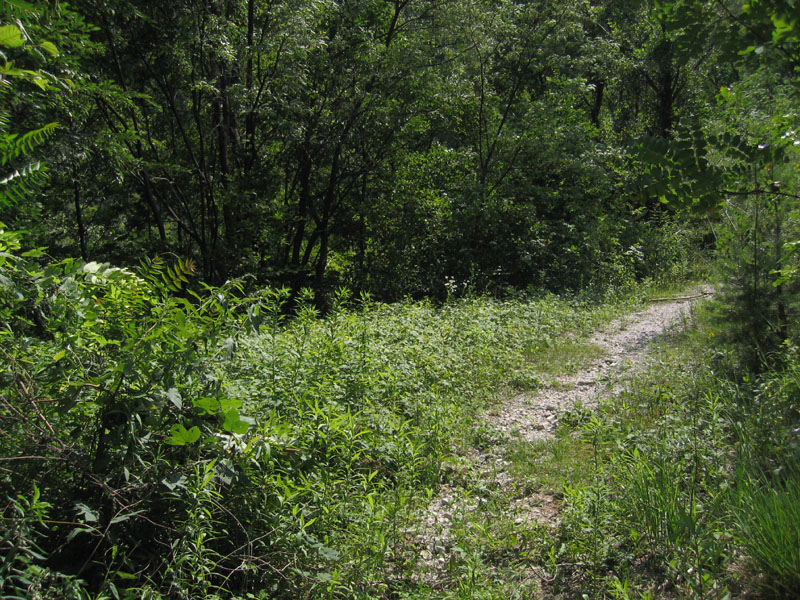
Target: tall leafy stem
(19, 180)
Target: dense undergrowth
(684, 485)
(165, 440)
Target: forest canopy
(387, 146)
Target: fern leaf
(13, 145)
(19, 5)
(17, 185)
(165, 277)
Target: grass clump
(551, 464)
(563, 356)
(768, 517)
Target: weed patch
(550, 465)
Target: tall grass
(768, 516)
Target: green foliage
(21, 555)
(750, 28)
(11, 36)
(14, 145)
(100, 358)
(768, 520)
(203, 433)
(388, 147)
(17, 186)
(737, 161)
(172, 277)
(167, 438)
(760, 211)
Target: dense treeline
(170, 431)
(387, 146)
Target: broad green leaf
(233, 423)
(226, 472)
(180, 436)
(173, 481)
(227, 404)
(72, 535)
(328, 553)
(174, 396)
(89, 515)
(207, 405)
(11, 36)
(50, 48)
(124, 517)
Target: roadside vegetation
(684, 485)
(689, 481)
(164, 441)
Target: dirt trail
(533, 416)
(625, 343)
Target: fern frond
(18, 6)
(167, 277)
(13, 145)
(150, 269)
(177, 274)
(20, 183)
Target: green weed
(218, 446)
(696, 465)
(768, 516)
(551, 464)
(563, 356)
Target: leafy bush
(97, 361)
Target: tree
(742, 161)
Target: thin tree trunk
(594, 115)
(79, 213)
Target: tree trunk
(79, 213)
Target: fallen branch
(680, 298)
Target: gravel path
(625, 343)
(533, 416)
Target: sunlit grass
(550, 464)
(769, 520)
(563, 356)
